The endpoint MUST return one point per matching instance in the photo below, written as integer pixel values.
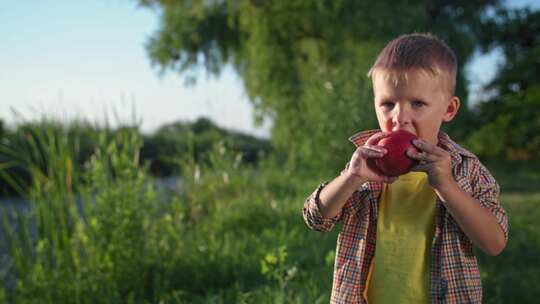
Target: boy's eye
(387, 104)
(418, 103)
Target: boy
(409, 239)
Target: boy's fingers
(421, 156)
(374, 139)
(424, 146)
(376, 148)
(370, 153)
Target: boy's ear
(451, 109)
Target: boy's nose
(401, 116)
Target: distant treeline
(160, 150)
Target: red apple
(396, 162)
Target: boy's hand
(433, 160)
(362, 167)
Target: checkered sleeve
(486, 190)
(312, 212)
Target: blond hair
(417, 51)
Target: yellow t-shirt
(399, 271)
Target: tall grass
(228, 233)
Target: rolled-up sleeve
(312, 212)
(486, 190)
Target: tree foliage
(304, 62)
(508, 121)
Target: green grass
(232, 233)
(514, 275)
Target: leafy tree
(508, 121)
(303, 62)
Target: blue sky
(86, 58)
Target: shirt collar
(445, 142)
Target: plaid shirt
(455, 277)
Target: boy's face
(418, 104)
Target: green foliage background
(230, 232)
(99, 230)
(507, 122)
(304, 62)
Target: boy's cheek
(386, 125)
